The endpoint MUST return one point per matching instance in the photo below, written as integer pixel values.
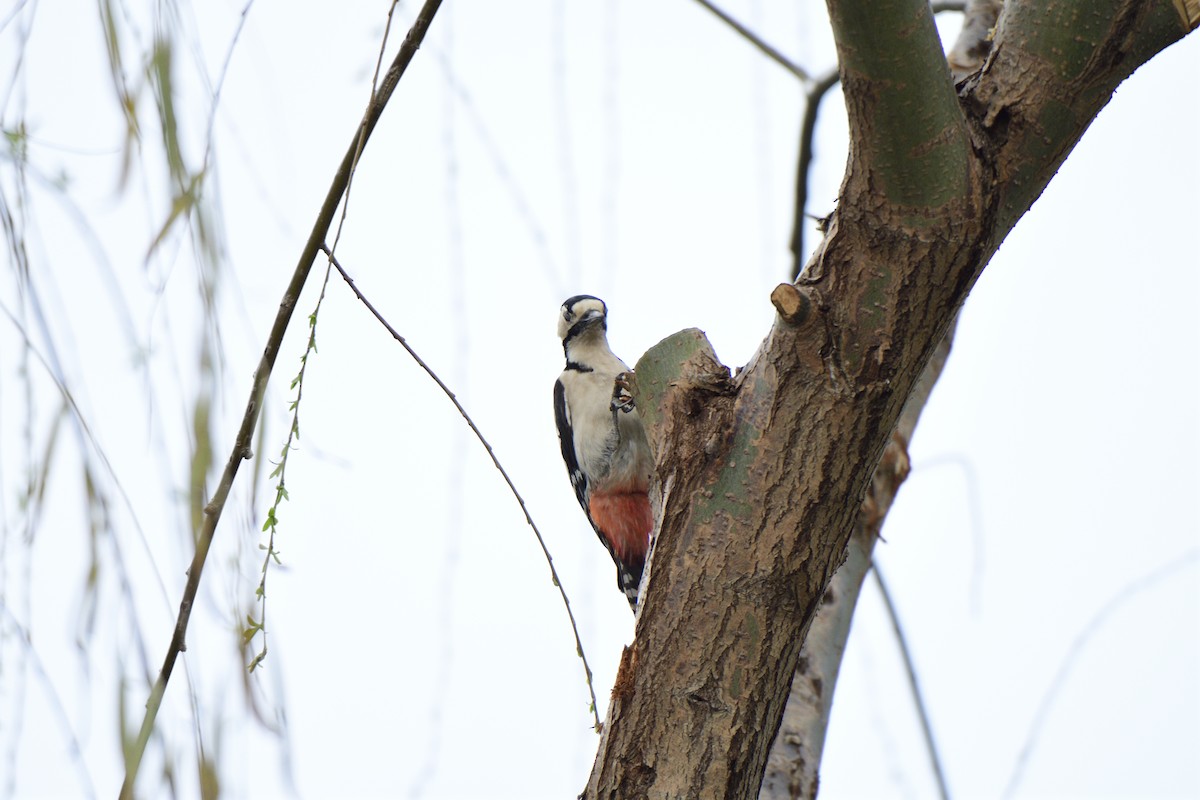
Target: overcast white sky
(1045, 546)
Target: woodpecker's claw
(622, 396)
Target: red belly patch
(625, 520)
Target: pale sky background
(1044, 554)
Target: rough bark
(795, 757)
(760, 476)
(792, 767)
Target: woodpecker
(603, 442)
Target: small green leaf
(248, 634)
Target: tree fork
(760, 477)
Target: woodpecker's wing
(579, 481)
(566, 440)
(628, 575)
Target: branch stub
(793, 306)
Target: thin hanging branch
(750, 36)
(241, 448)
(808, 130)
(935, 761)
(1094, 625)
(495, 461)
(53, 698)
(255, 627)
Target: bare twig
(564, 143)
(935, 761)
(966, 468)
(495, 462)
(1094, 625)
(254, 627)
(55, 700)
(241, 448)
(500, 165)
(216, 96)
(808, 129)
(362, 141)
(12, 14)
(83, 431)
(749, 35)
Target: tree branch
(241, 447)
(754, 39)
(904, 117)
(817, 90)
(1052, 68)
(587, 670)
(914, 685)
(808, 132)
(794, 762)
(974, 41)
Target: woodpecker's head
(582, 316)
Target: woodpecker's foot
(622, 396)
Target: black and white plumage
(603, 442)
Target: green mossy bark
(913, 139)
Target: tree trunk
(796, 752)
(760, 477)
(795, 757)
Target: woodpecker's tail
(629, 577)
